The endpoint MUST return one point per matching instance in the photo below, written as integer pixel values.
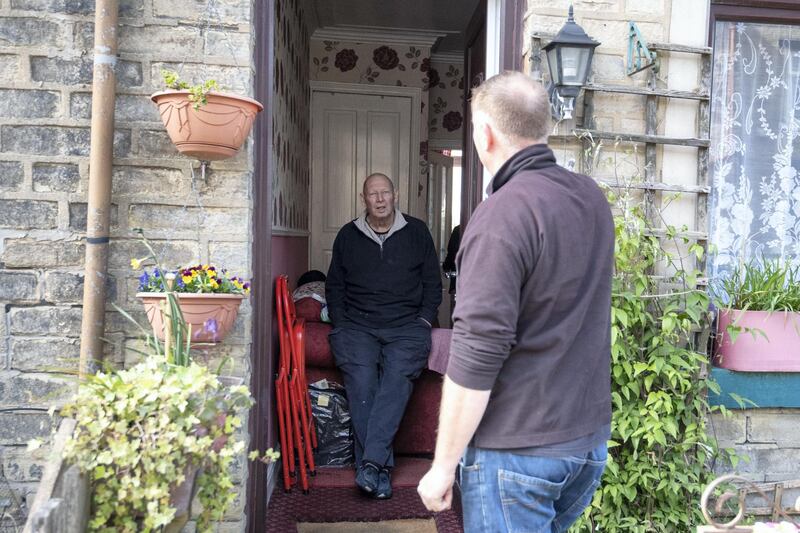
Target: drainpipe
(99, 202)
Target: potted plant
(206, 299)
(202, 121)
(758, 326)
(144, 434)
(153, 436)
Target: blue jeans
(379, 367)
(505, 492)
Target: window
(755, 142)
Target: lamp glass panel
(552, 65)
(573, 65)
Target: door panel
(340, 137)
(352, 136)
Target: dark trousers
(379, 366)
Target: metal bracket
(639, 56)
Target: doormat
(385, 526)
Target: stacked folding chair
(297, 432)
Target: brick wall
(45, 105)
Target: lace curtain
(755, 150)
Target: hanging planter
(211, 316)
(208, 297)
(211, 131)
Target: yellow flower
(213, 283)
(187, 279)
(136, 263)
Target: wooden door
(354, 135)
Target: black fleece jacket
(383, 285)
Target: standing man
(383, 292)
(526, 402)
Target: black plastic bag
(332, 420)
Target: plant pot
(214, 131)
(198, 309)
(751, 351)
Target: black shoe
(367, 478)
(384, 490)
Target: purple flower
(346, 60)
(433, 78)
(211, 326)
(452, 121)
(385, 57)
(144, 280)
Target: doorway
(282, 179)
(356, 130)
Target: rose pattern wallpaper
(290, 118)
(446, 89)
(379, 64)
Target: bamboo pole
(100, 164)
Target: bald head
(377, 176)
(516, 105)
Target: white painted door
(353, 135)
(440, 217)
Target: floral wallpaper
(379, 64)
(445, 116)
(290, 118)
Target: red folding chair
(282, 397)
(299, 359)
(294, 408)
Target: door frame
(503, 50)
(415, 94)
(261, 422)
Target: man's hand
(436, 488)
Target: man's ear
(482, 134)
(489, 136)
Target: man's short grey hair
(377, 175)
(517, 105)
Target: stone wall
(46, 51)
(768, 441)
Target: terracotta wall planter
(214, 131)
(198, 309)
(778, 352)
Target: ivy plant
(660, 452)
(139, 431)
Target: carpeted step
(333, 497)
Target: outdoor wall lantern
(569, 59)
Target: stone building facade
(45, 106)
(45, 84)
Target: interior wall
(380, 64)
(290, 119)
(446, 109)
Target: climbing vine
(660, 453)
